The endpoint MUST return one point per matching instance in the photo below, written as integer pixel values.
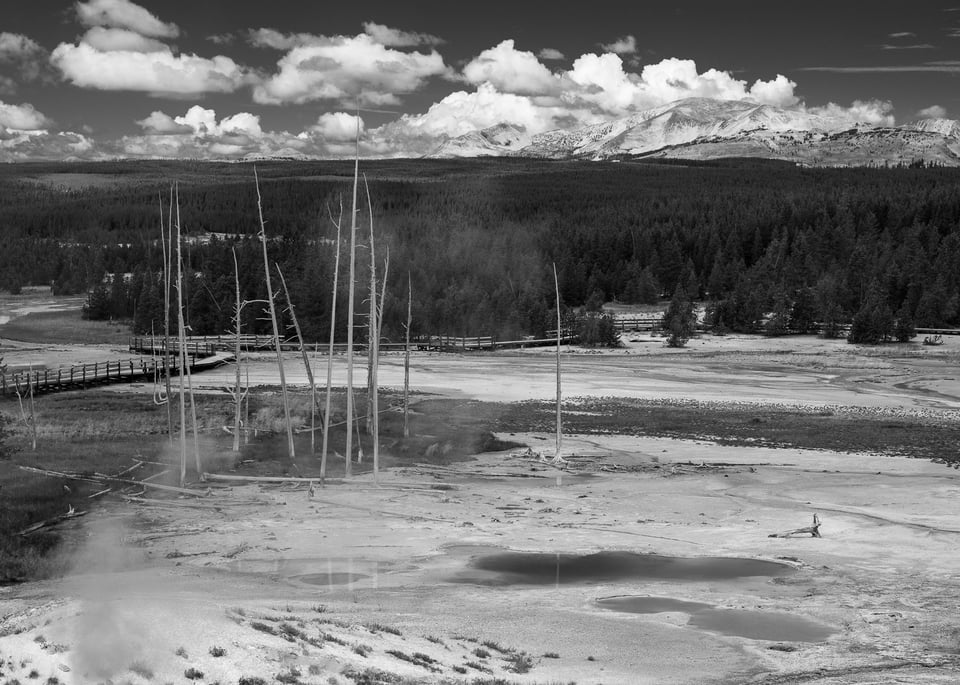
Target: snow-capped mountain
(701, 128)
(494, 141)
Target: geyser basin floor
(538, 568)
(757, 625)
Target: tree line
(768, 246)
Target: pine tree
(679, 321)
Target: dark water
(757, 625)
(535, 568)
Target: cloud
(23, 117)
(118, 40)
(397, 38)
(603, 82)
(902, 34)
(627, 45)
(946, 67)
(7, 85)
(27, 57)
(550, 54)
(344, 68)
(874, 112)
(162, 124)
(338, 126)
(159, 72)
(222, 38)
(918, 46)
(933, 112)
(124, 14)
(271, 38)
(510, 71)
(62, 146)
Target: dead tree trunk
(276, 329)
(557, 458)
(303, 349)
(333, 328)
(350, 305)
(813, 531)
(237, 396)
(406, 359)
(165, 247)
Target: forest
(768, 246)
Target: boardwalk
(82, 376)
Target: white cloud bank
(124, 50)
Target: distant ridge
(702, 128)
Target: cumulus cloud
(399, 39)
(27, 57)
(627, 45)
(124, 14)
(45, 145)
(603, 82)
(271, 38)
(873, 112)
(162, 124)
(112, 40)
(550, 54)
(121, 51)
(510, 71)
(23, 117)
(933, 112)
(345, 68)
(159, 72)
(338, 126)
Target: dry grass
(66, 327)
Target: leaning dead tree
(333, 328)
(276, 330)
(303, 351)
(813, 530)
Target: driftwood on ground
(813, 530)
(53, 520)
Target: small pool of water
(332, 578)
(756, 625)
(539, 568)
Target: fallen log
(317, 481)
(813, 530)
(100, 478)
(53, 520)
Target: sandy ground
(353, 576)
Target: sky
(225, 79)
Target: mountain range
(702, 128)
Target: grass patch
(65, 326)
(217, 651)
(481, 653)
(380, 628)
(263, 627)
(251, 680)
(519, 662)
(417, 659)
(193, 674)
